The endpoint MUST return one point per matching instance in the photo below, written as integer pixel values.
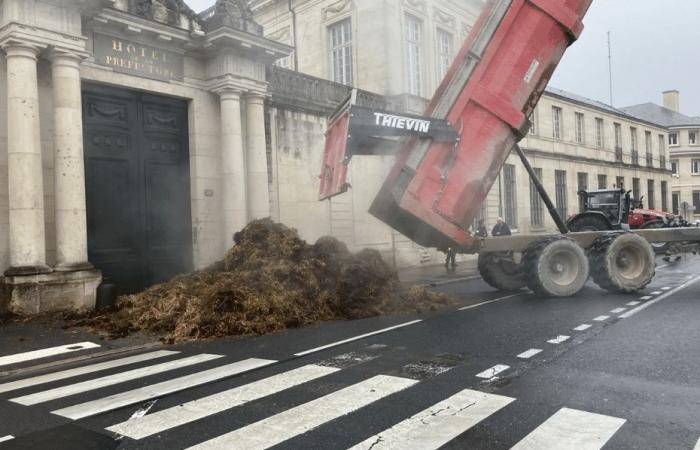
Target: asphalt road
(500, 371)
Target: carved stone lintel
(445, 19)
(337, 8)
(418, 5)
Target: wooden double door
(137, 186)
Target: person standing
(501, 228)
(481, 230)
(450, 256)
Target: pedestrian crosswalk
(424, 424)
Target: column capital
(21, 48)
(66, 57)
(256, 96)
(228, 93)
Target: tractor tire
(622, 262)
(556, 267)
(588, 223)
(659, 247)
(500, 271)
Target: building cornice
(582, 159)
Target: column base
(73, 267)
(57, 291)
(27, 270)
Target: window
(602, 181)
(414, 61)
(636, 188)
(560, 190)
(674, 166)
(533, 122)
(692, 137)
(599, 132)
(620, 182)
(650, 194)
(672, 138)
(341, 51)
(676, 203)
(648, 147)
(536, 210)
(664, 195)
(509, 196)
(695, 167)
(618, 135)
(696, 201)
(580, 128)
(444, 53)
(633, 139)
(556, 122)
(662, 144)
(582, 186)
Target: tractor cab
(614, 204)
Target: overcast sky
(655, 45)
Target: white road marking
(656, 293)
(601, 318)
(571, 429)
(45, 353)
(633, 303)
(493, 371)
(559, 339)
(295, 421)
(582, 327)
(159, 389)
(62, 375)
(646, 297)
(489, 301)
(439, 424)
(530, 353)
(345, 341)
(634, 311)
(661, 267)
(697, 446)
(216, 403)
(665, 288)
(109, 380)
(6, 438)
(618, 310)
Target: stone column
(233, 165)
(71, 223)
(258, 193)
(24, 166)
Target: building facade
(401, 49)
(132, 142)
(684, 148)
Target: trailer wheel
(556, 267)
(500, 271)
(622, 262)
(659, 247)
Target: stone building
(132, 141)
(684, 149)
(401, 49)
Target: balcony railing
(662, 161)
(618, 154)
(650, 160)
(296, 90)
(635, 157)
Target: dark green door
(137, 186)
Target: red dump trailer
(452, 156)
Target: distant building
(684, 148)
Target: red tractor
(615, 209)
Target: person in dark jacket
(450, 254)
(501, 228)
(481, 230)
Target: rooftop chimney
(672, 100)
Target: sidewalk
(436, 274)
